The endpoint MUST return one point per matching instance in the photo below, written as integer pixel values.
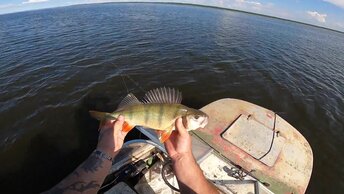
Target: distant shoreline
(188, 4)
(252, 13)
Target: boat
(245, 148)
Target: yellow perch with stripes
(158, 110)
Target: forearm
(87, 178)
(190, 176)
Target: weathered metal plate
(291, 171)
(255, 139)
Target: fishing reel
(141, 164)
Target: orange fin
(127, 127)
(164, 135)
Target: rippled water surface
(57, 64)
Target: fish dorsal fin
(163, 95)
(129, 100)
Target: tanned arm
(89, 176)
(189, 175)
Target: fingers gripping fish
(158, 110)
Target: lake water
(57, 64)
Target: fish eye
(196, 116)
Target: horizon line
(187, 4)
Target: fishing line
(125, 84)
(135, 83)
(130, 79)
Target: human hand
(179, 143)
(185, 167)
(111, 136)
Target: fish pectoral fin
(127, 127)
(165, 134)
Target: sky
(325, 13)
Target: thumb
(119, 123)
(169, 147)
(180, 127)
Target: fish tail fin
(98, 115)
(101, 116)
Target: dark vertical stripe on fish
(176, 112)
(147, 113)
(161, 114)
(130, 113)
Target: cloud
(247, 5)
(249, 2)
(339, 3)
(253, 3)
(34, 1)
(3, 6)
(320, 17)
